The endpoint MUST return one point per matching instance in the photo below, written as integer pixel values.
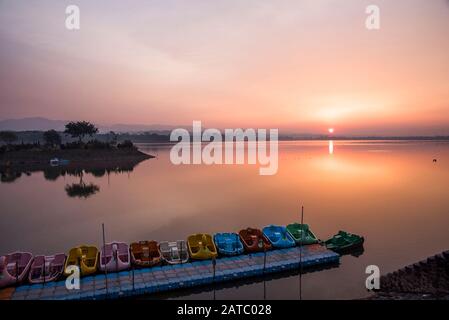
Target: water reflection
(8, 176)
(357, 252)
(80, 189)
(389, 197)
(260, 286)
(331, 147)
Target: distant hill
(28, 124)
(139, 128)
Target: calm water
(390, 192)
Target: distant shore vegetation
(85, 135)
(77, 135)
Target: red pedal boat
(252, 240)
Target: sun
(331, 130)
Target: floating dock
(172, 277)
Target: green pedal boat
(344, 242)
(302, 234)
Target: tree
(52, 137)
(8, 136)
(80, 129)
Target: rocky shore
(425, 280)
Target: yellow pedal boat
(201, 246)
(83, 256)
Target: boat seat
(227, 243)
(11, 267)
(253, 239)
(175, 253)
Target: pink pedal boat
(14, 268)
(114, 257)
(46, 268)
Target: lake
(391, 192)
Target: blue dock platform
(172, 277)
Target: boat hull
(279, 236)
(228, 244)
(344, 242)
(115, 257)
(174, 252)
(251, 238)
(47, 268)
(145, 254)
(14, 268)
(302, 234)
(85, 257)
(201, 246)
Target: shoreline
(373, 141)
(427, 279)
(34, 160)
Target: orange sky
(299, 66)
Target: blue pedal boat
(279, 236)
(228, 244)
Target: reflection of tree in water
(51, 174)
(97, 173)
(81, 189)
(74, 190)
(100, 172)
(10, 176)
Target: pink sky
(300, 66)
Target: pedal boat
(254, 240)
(174, 252)
(14, 268)
(115, 257)
(228, 244)
(279, 236)
(47, 268)
(344, 242)
(145, 254)
(201, 246)
(302, 234)
(85, 257)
